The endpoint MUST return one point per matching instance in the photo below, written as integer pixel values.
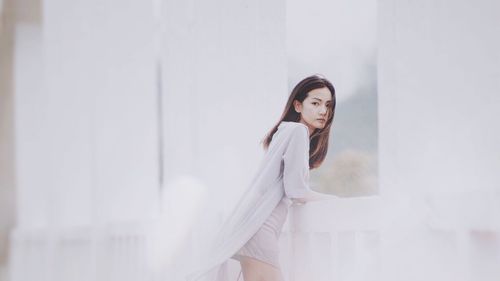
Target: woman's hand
(312, 195)
(298, 201)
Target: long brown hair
(318, 144)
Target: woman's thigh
(255, 270)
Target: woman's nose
(323, 110)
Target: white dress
(264, 245)
(283, 175)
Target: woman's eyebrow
(320, 99)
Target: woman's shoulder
(295, 135)
(294, 127)
(289, 130)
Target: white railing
(119, 252)
(368, 238)
(74, 254)
(332, 240)
(411, 237)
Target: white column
(224, 86)
(31, 153)
(102, 113)
(439, 154)
(86, 130)
(86, 114)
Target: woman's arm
(314, 196)
(296, 169)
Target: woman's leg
(255, 270)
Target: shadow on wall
(7, 180)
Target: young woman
(296, 144)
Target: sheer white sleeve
(296, 164)
(296, 169)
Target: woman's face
(314, 109)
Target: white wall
(437, 67)
(439, 156)
(86, 115)
(224, 85)
(94, 147)
(86, 136)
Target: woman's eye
(315, 103)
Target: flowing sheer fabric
(284, 171)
